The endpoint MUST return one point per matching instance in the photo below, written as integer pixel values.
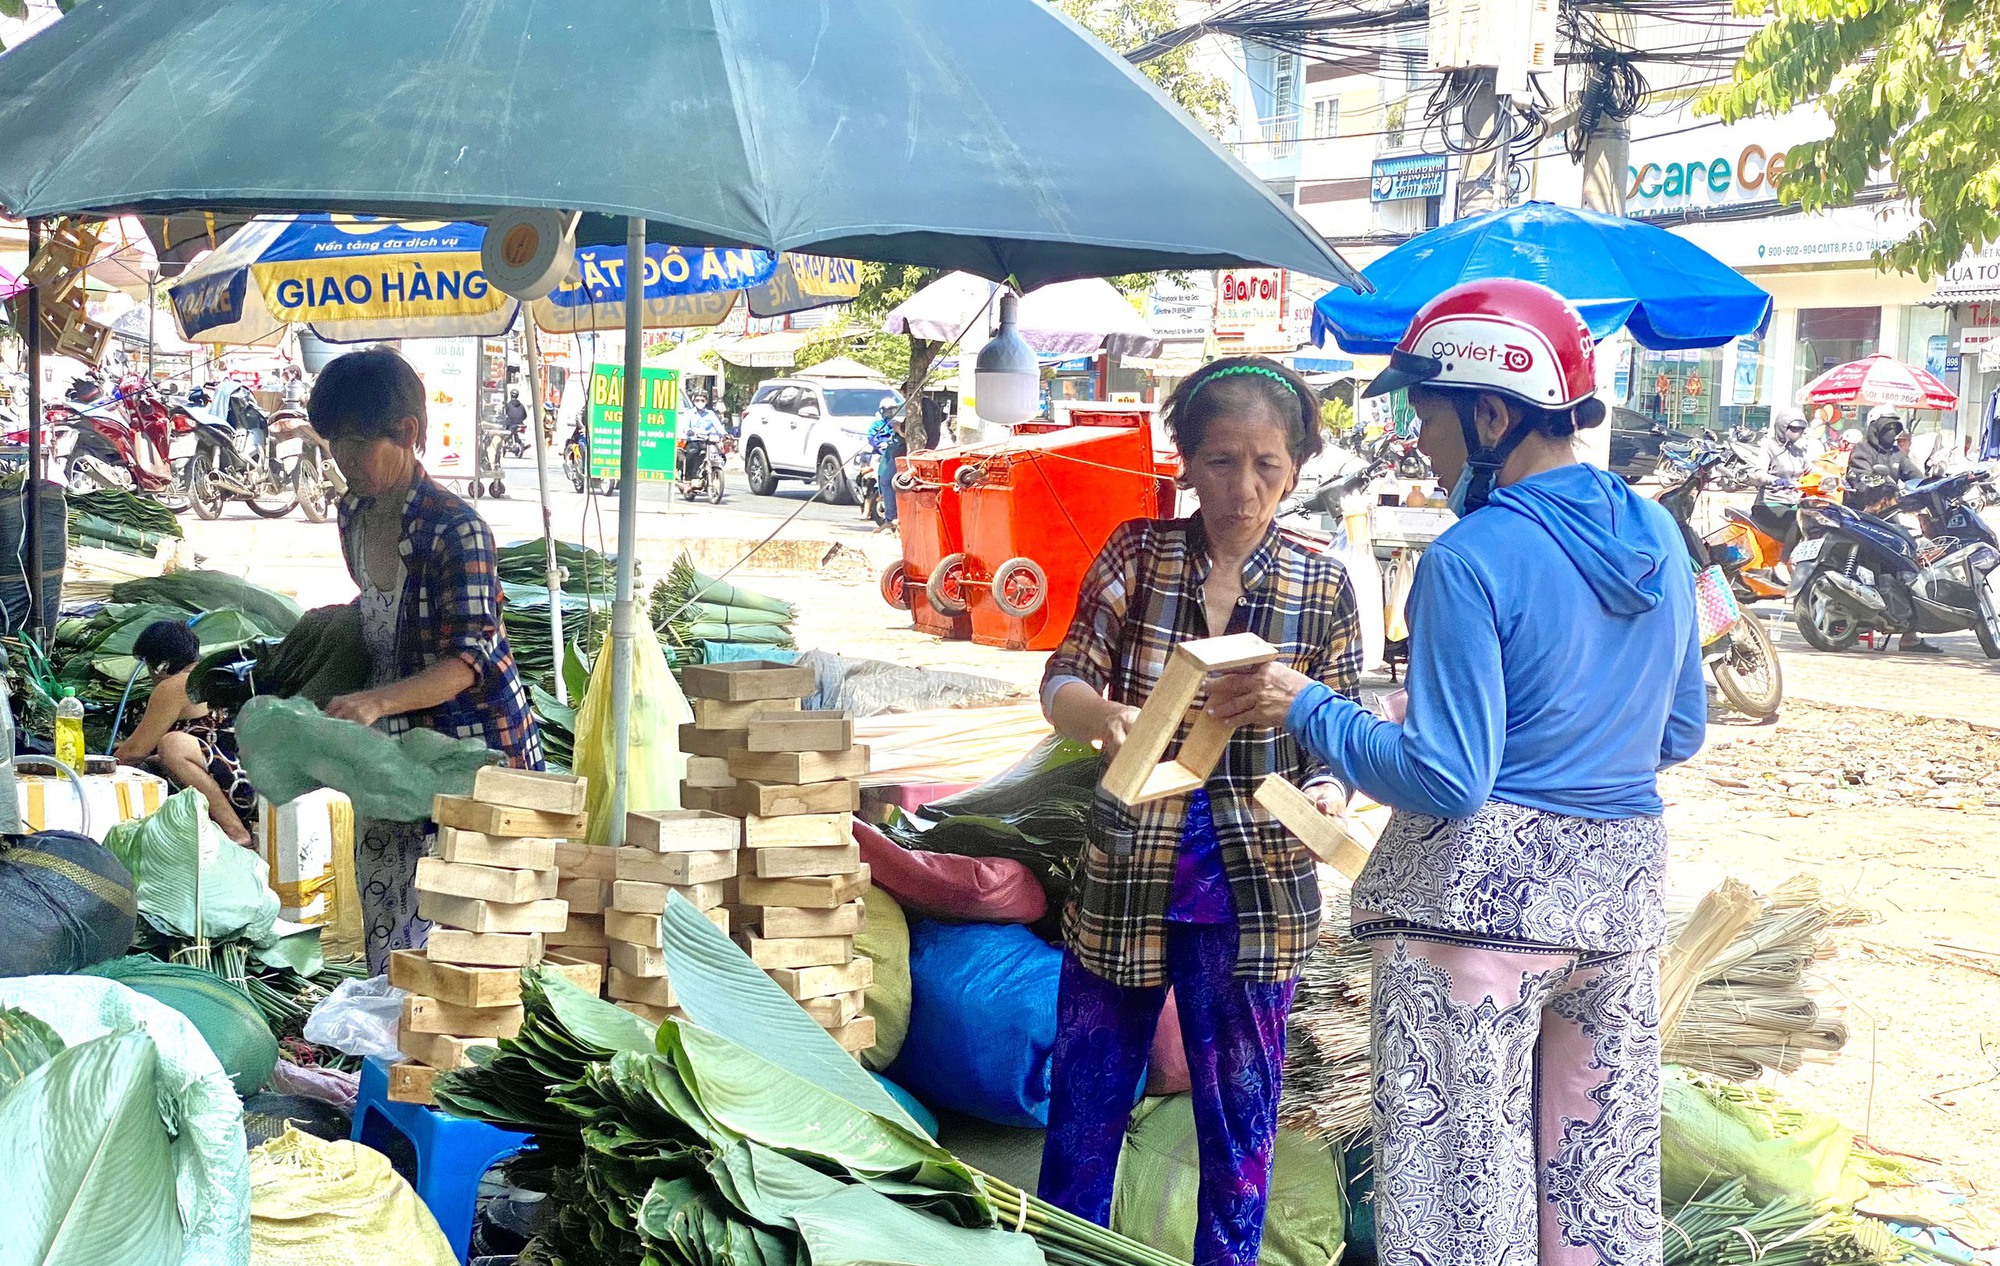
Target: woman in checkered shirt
(1196, 892)
(430, 614)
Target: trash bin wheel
(946, 586)
(895, 585)
(1020, 587)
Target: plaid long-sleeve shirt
(451, 606)
(1140, 599)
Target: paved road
(841, 609)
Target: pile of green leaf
(584, 570)
(113, 518)
(689, 608)
(324, 655)
(744, 1137)
(1036, 813)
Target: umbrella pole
(31, 492)
(554, 571)
(628, 521)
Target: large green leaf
(593, 1021)
(725, 993)
(90, 1178)
(181, 861)
(25, 1045)
(762, 1100)
(843, 1223)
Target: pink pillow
(1166, 1066)
(949, 886)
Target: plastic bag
(1159, 1174)
(873, 687)
(69, 903)
(289, 748)
(337, 1204)
(228, 1021)
(885, 938)
(982, 1021)
(1712, 1132)
(210, 1176)
(654, 763)
(360, 1018)
(182, 861)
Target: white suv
(806, 428)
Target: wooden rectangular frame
(1138, 774)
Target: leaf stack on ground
(791, 777)
(690, 609)
(491, 897)
(691, 852)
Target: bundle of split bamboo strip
(1750, 1006)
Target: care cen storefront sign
(1723, 165)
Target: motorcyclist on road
(515, 415)
(1782, 461)
(704, 428)
(886, 442)
(1878, 466)
(1876, 471)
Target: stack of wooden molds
(791, 778)
(687, 851)
(490, 895)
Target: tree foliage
(1122, 25)
(1910, 89)
(1126, 24)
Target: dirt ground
(1898, 815)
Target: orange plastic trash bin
(1035, 511)
(927, 520)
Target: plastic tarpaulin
(982, 1021)
(211, 1173)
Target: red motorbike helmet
(1513, 338)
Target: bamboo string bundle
(1750, 1009)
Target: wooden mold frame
(1139, 774)
(1324, 837)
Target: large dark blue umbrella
(1667, 291)
(995, 137)
(992, 136)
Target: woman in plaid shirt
(1203, 893)
(430, 613)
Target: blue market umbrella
(1667, 291)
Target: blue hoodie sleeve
(1443, 759)
(1687, 724)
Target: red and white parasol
(1880, 379)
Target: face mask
(1456, 501)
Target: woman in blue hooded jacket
(1514, 902)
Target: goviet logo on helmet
(1512, 337)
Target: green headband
(1272, 374)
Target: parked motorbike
(701, 469)
(116, 439)
(1743, 662)
(862, 477)
(236, 457)
(576, 457)
(1857, 573)
(316, 479)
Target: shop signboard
(449, 368)
(1407, 176)
(1748, 351)
(1249, 301)
(660, 391)
(1844, 235)
(1715, 165)
(1180, 310)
